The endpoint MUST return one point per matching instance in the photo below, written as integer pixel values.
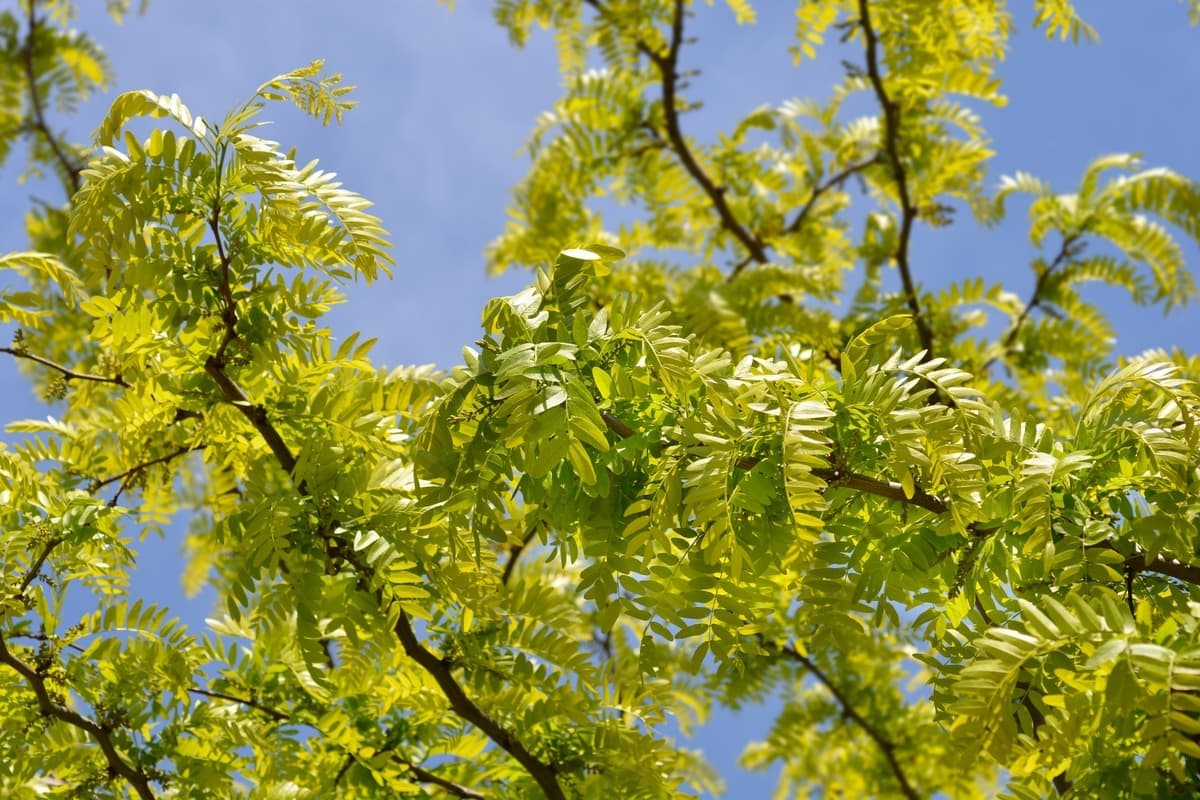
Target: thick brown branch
(541, 772)
(66, 372)
(616, 425)
(116, 764)
(70, 169)
(885, 745)
(439, 670)
(891, 146)
(257, 415)
(1172, 568)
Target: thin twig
(421, 774)
(137, 469)
(273, 713)
(66, 372)
(71, 169)
(842, 478)
(891, 146)
(229, 314)
(425, 776)
(515, 552)
(1067, 250)
(834, 181)
(133, 775)
(36, 567)
(668, 69)
(885, 745)
(1062, 784)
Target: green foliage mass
(947, 526)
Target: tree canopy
(729, 445)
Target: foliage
(964, 554)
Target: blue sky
(446, 104)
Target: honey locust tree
(658, 482)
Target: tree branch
(134, 776)
(38, 563)
(229, 313)
(439, 670)
(273, 713)
(885, 745)
(66, 372)
(836, 477)
(1172, 568)
(135, 470)
(515, 552)
(1070, 247)
(255, 414)
(891, 147)
(668, 70)
(889, 489)
(834, 181)
(425, 776)
(1061, 783)
(70, 169)
(541, 772)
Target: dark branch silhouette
(1070, 247)
(842, 478)
(117, 764)
(542, 772)
(891, 147)
(885, 744)
(70, 168)
(66, 372)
